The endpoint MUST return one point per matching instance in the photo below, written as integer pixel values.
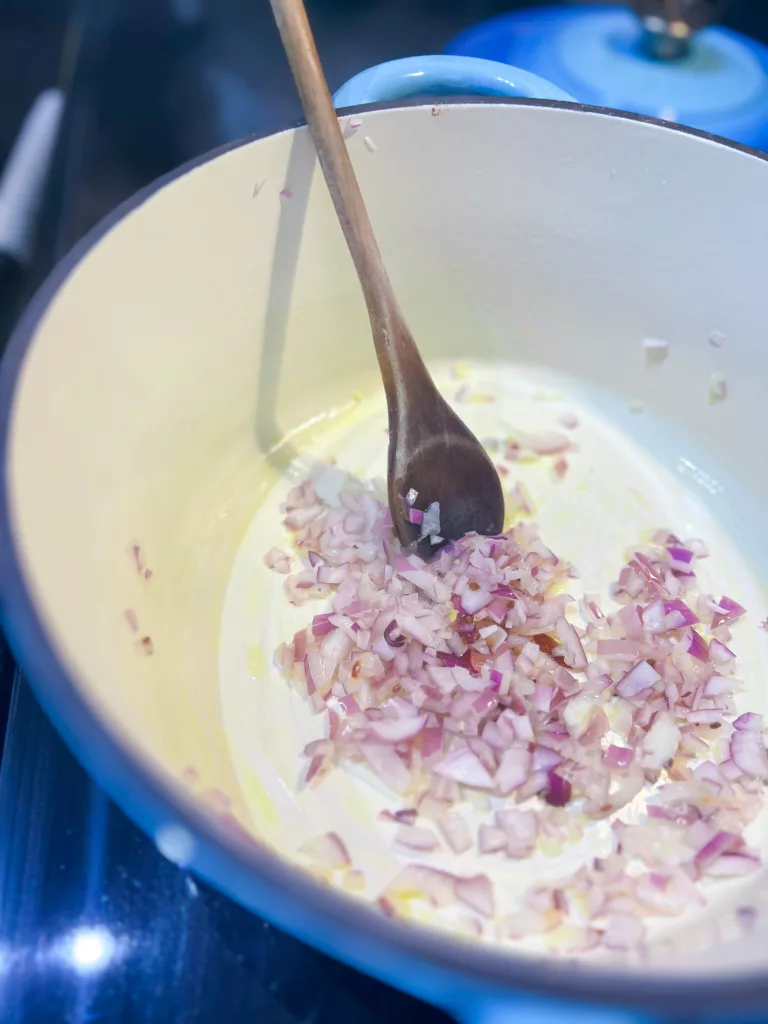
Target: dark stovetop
(95, 925)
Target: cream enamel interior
(170, 383)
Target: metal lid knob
(669, 24)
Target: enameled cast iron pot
(149, 382)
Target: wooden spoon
(430, 450)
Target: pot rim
(250, 872)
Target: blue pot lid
(595, 53)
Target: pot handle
(442, 74)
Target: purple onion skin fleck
(391, 639)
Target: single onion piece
(731, 865)
(455, 831)
(542, 697)
(322, 625)
(679, 558)
(656, 349)
(697, 646)
(431, 741)
(575, 657)
(718, 388)
(687, 617)
(641, 677)
(430, 523)
(629, 617)
(619, 757)
(397, 730)
(387, 765)
(558, 790)
(720, 654)
(464, 767)
(661, 741)
(513, 769)
(349, 705)
(437, 887)
(730, 770)
(416, 838)
(278, 560)
(618, 650)
(723, 842)
(477, 893)
(491, 839)
(550, 442)
(407, 816)
(749, 722)
(327, 850)
(415, 516)
(472, 601)
(653, 617)
(748, 752)
(545, 759)
(727, 610)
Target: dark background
(151, 83)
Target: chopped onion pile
(465, 679)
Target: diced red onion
(576, 658)
(720, 654)
(513, 769)
(558, 790)
(464, 767)
(327, 850)
(641, 677)
(748, 753)
(685, 616)
(619, 757)
(455, 831)
(618, 650)
(387, 765)
(723, 842)
(727, 610)
(491, 839)
(472, 601)
(697, 646)
(653, 617)
(397, 730)
(629, 617)
(455, 673)
(477, 893)
(322, 625)
(545, 759)
(416, 837)
(278, 560)
(749, 722)
(731, 865)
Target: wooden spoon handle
(390, 334)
